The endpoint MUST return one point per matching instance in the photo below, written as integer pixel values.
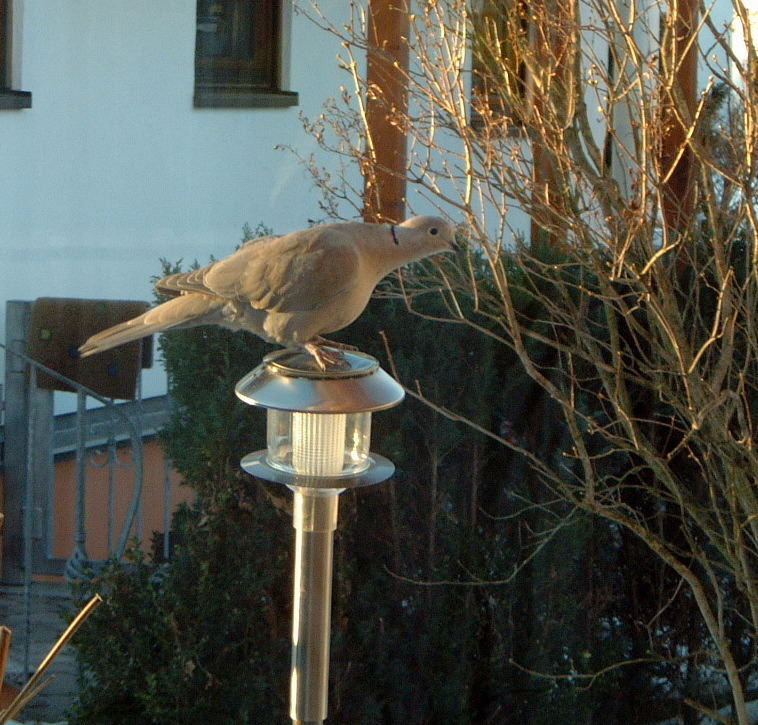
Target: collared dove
(289, 289)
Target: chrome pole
(314, 520)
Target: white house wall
(743, 35)
(112, 167)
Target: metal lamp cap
(291, 380)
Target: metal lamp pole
(318, 436)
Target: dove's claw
(325, 356)
(331, 343)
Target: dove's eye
(434, 231)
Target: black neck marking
(394, 235)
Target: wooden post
(386, 101)
(676, 158)
(551, 44)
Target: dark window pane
(236, 43)
(4, 80)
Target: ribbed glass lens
(318, 444)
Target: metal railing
(78, 565)
(79, 559)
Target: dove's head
(430, 235)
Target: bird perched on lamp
(288, 289)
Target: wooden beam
(676, 159)
(386, 108)
(551, 39)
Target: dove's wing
(182, 282)
(298, 271)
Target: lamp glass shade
(318, 444)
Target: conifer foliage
(463, 593)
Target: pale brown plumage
(289, 289)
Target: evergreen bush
(428, 616)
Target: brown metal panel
(59, 325)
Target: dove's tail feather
(183, 311)
(117, 335)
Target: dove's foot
(331, 343)
(325, 357)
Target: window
(9, 99)
(501, 38)
(239, 53)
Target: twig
(33, 687)
(5, 646)
(707, 711)
(592, 676)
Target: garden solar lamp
(318, 435)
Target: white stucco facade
(112, 167)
